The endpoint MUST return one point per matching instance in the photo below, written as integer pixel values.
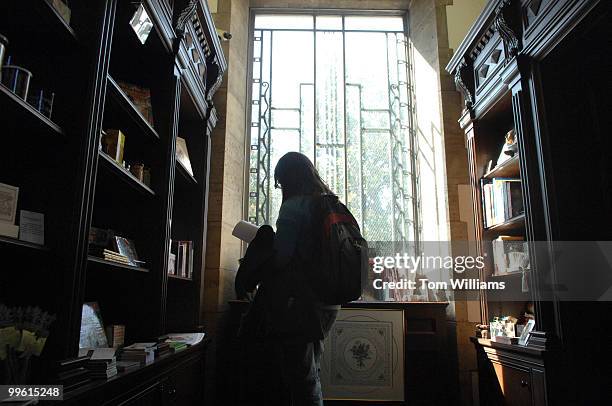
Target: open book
(245, 231)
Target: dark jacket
(285, 306)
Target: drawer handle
(524, 383)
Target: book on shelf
(502, 200)
(107, 245)
(184, 259)
(113, 143)
(510, 254)
(143, 353)
(115, 334)
(102, 362)
(182, 154)
(140, 97)
(125, 366)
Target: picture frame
(92, 333)
(182, 154)
(9, 196)
(524, 338)
(364, 356)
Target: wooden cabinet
(535, 68)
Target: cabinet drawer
(514, 384)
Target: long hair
(296, 176)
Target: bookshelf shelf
(125, 175)
(514, 223)
(180, 278)
(186, 175)
(126, 104)
(25, 244)
(508, 169)
(28, 116)
(97, 260)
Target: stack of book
(162, 350)
(112, 256)
(502, 199)
(126, 366)
(102, 364)
(177, 346)
(143, 353)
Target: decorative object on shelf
(17, 79)
(526, 331)
(510, 254)
(364, 356)
(137, 170)
(127, 248)
(115, 334)
(146, 176)
(63, 10)
(23, 334)
(503, 330)
(32, 227)
(141, 24)
(140, 97)
(509, 149)
(43, 102)
(482, 331)
(92, 329)
(172, 264)
(113, 142)
(8, 210)
(182, 154)
(3, 44)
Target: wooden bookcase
(518, 69)
(62, 172)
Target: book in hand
(245, 231)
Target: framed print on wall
(364, 356)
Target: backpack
(343, 253)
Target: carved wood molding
(462, 86)
(511, 40)
(184, 17)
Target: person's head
(296, 175)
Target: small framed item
(182, 154)
(32, 227)
(141, 24)
(8, 203)
(526, 331)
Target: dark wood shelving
(97, 260)
(185, 174)
(508, 169)
(25, 244)
(129, 107)
(180, 278)
(32, 119)
(59, 24)
(124, 174)
(512, 224)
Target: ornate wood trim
(184, 17)
(511, 40)
(462, 86)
